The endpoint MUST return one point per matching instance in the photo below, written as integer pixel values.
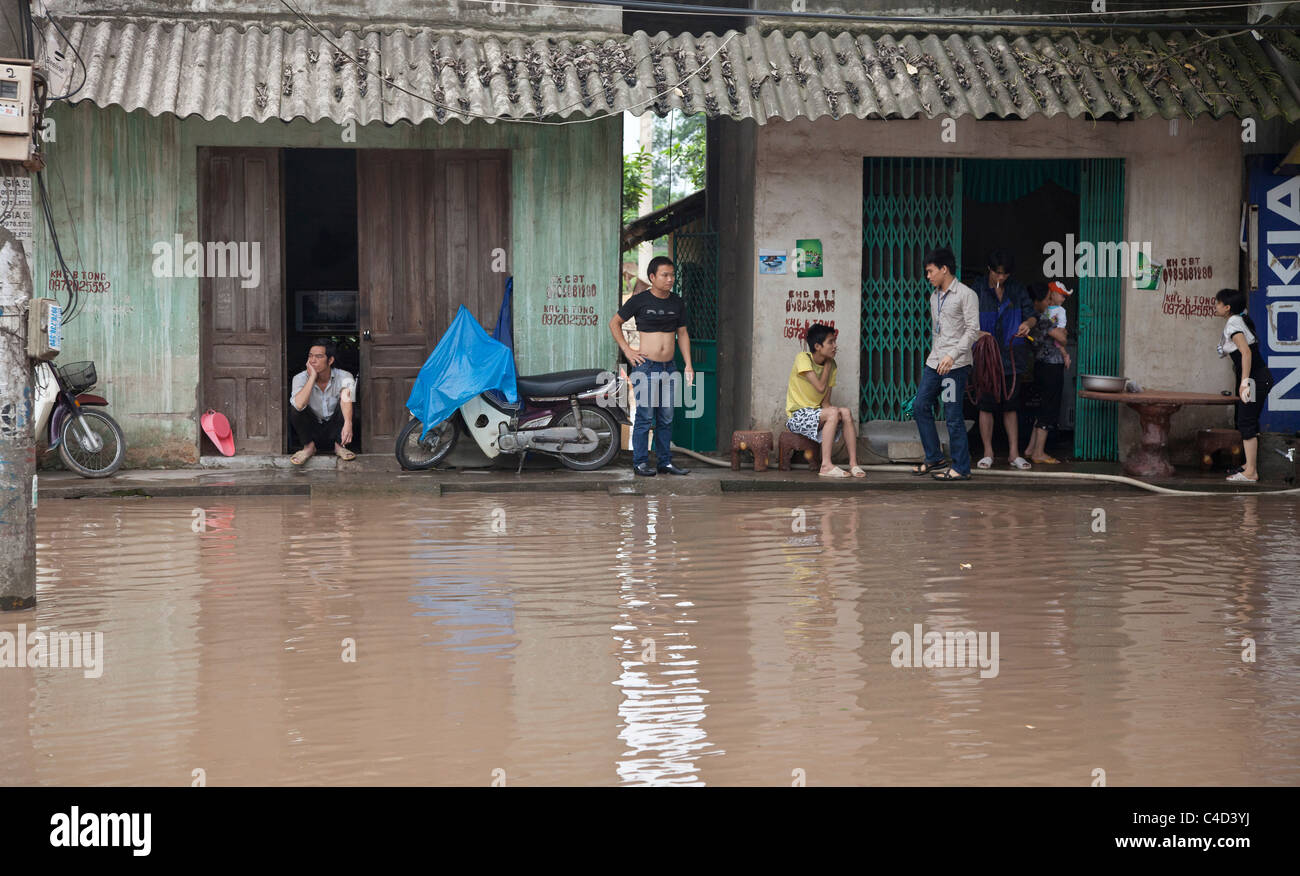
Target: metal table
(1151, 458)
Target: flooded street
(590, 639)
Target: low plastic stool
(790, 443)
(1210, 440)
(757, 443)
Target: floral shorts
(806, 422)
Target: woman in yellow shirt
(806, 398)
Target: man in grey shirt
(955, 317)
(322, 398)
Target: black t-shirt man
(654, 314)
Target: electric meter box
(15, 109)
(44, 329)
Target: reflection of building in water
(557, 568)
(801, 654)
(144, 604)
(663, 704)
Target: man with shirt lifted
(660, 319)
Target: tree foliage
(679, 153)
(635, 183)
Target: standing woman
(1240, 342)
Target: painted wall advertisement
(1275, 302)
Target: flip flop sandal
(1240, 478)
(926, 468)
(345, 454)
(986, 462)
(1046, 460)
(836, 472)
(949, 475)
(858, 471)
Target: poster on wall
(1275, 303)
(808, 257)
(16, 195)
(771, 261)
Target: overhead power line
(1061, 20)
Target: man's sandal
(926, 468)
(300, 457)
(344, 454)
(950, 475)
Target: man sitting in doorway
(807, 402)
(1006, 313)
(322, 399)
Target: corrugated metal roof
(246, 70)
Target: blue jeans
(923, 412)
(654, 388)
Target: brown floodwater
(600, 640)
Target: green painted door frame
(1101, 218)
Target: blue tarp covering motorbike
(465, 363)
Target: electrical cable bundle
(27, 38)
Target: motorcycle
(572, 415)
(89, 441)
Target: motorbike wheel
(601, 422)
(416, 454)
(86, 462)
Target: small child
(806, 397)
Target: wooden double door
(431, 228)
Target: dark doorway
(321, 270)
(1020, 206)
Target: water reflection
(721, 640)
(663, 706)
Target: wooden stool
(757, 443)
(790, 442)
(1210, 440)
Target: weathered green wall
(129, 179)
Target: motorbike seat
(560, 383)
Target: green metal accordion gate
(909, 206)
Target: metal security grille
(695, 257)
(1101, 218)
(909, 206)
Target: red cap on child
(1057, 287)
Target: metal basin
(1100, 383)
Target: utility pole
(17, 435)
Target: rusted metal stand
(1150, 459)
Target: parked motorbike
(572, 415)
(89, 441)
